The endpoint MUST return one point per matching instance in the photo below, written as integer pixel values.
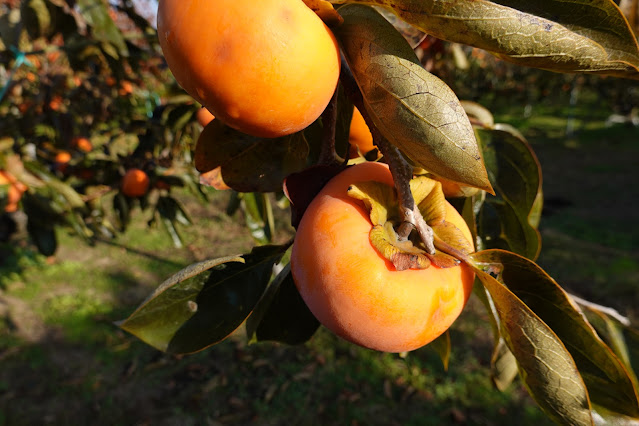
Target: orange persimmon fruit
(359, 135)
(358, 294)
(267, 69)
(15, 191)
(135, 183)
(204, 116)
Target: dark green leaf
(606, 378)
(283, 315)
(413, 109)
(565, 36)
(248, 163)
(546, 367)
(515, 175)
(205, 302)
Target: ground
(65, 362)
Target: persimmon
(359, 135)
(82, 143)
(15, 191)
(456, 190)
(135, 183)
(267, 70)
(61, 160)
(204, 116)
(356, 292)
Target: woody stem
(400, 169)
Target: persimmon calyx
(381, 202)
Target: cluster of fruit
(276, 79)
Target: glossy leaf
(248, 163)
(205, 302)
(565, 36)
(515, 174)
(413, 109)
(545, 365)
(283, 315)
(608, 382)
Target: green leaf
(565, 36)
(205, 302)
(441, 345)
(546, 367)
(283, 315)
(103, 28)
(249, 163)
(42, 15)
(515, 174)
(259, 216)
(617, 332)
(608, 382)
(413, 109)
(503, 366)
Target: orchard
(360, 124)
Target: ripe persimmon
(82, 143)
(356, 292)
(204, 116)
(61, 160)
(15, 191)
(135, 183)
(266, 69)
(359, 135)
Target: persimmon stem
(400, 169)
(328, 155)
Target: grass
(65, 362)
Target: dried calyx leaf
(382, 204)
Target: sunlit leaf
(249, 163)
(413, 109)
(205, 302)
(546, 367)
(565, 36)
(608, 382)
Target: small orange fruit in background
(61, 161)
(204, 116)
(359, 135)
(358, 294)
(135, 183)
(82, 143)
(126, 88)
(266, 69)
(15, 191)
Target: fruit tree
(438, 202)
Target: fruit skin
(15, 191)
(135, 183)
(356, 293)
(61, 160)
(82, 143)
(267, 70)
(204, 116)
(359, 135)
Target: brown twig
(400, 169)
